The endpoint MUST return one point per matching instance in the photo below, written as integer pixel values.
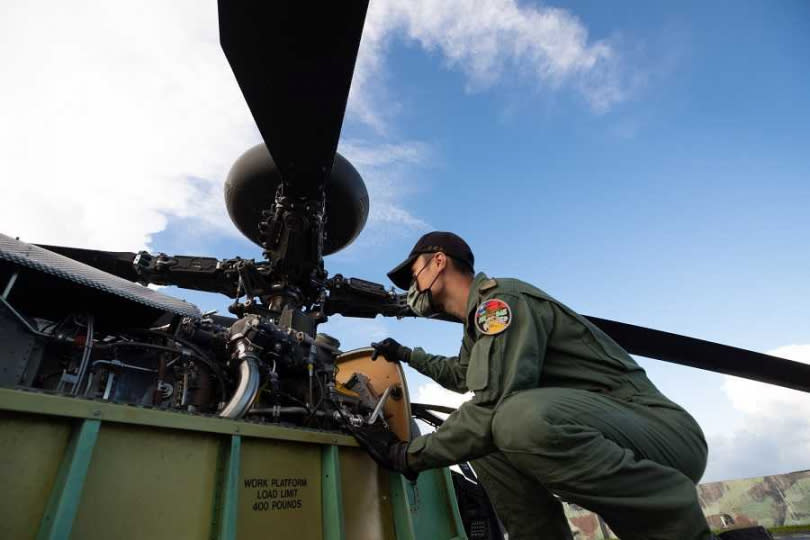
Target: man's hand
(391, 350)
(385, 448)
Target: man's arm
(448, 371)
(499, 365)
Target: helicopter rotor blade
(117, 263)
(707, 355)
(357, 298)
(296, 88)
(189, 272)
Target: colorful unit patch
(493, 317)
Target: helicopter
(108, 338)
(298, 199)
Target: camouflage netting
(770, 501)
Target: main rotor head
(253, 184)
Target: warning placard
(280, 490)
(271, 494)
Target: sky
(638, 162)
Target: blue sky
(659, 178)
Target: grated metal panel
(48, 262)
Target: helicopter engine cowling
(251, 188)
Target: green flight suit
(560, 408)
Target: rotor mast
(294, 63)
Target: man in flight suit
(559, 409)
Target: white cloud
(432, 393)
(488, 40)
(355, 333)
(386, 168)
(121, 117)
(773, 435)
(118, 118)
(364, 154)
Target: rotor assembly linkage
(292, 236)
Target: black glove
(385, 448)
(391, 350)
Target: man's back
(577, 354)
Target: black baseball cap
(448, 243)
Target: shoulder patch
(487, 285)
(493, 316)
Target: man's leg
(526, 508)
(635, 465)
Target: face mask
(421, 302)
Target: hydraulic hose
(248, 387)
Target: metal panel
(31, 451)
(432, 506)
(452, 504)
(149, 483)
(367, 510)
(280, 490)
(230, 489)
(19, 348)
(37, 402)
(332, 500)
(37, 258)
(381, 375)
(58, 520)
(403, 523)
(157, 474)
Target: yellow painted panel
(381, 375)
(148, 483)
(279, 491)
(366, 497)
(31, 450)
